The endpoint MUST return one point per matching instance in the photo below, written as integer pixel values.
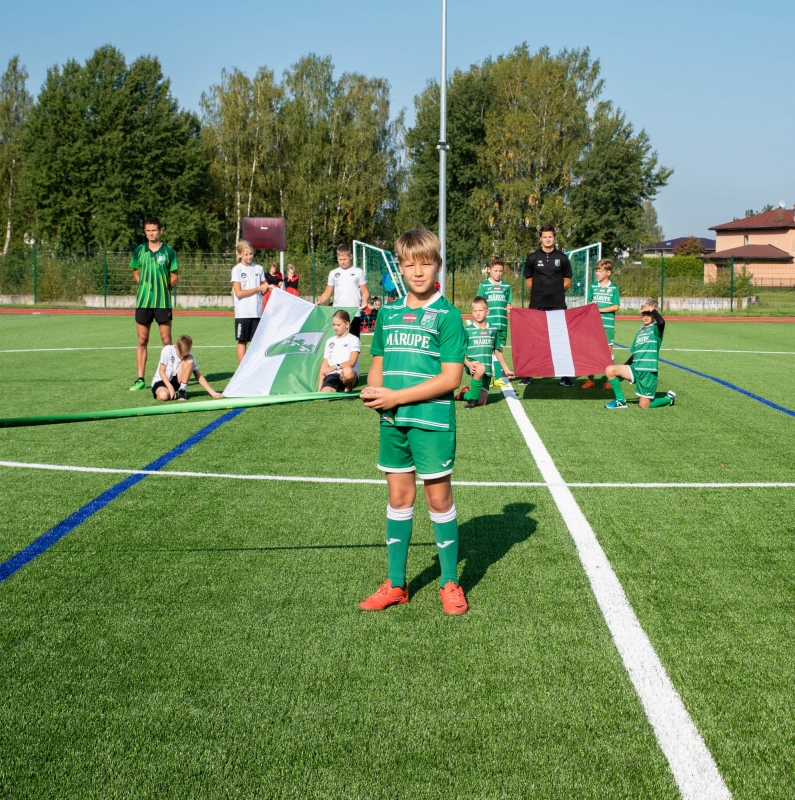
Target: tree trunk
(10, 199)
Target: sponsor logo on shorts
(302, 344)
(449, 461)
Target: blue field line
(768, 403)
(47, 540)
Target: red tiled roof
(777, 218)
(753, 252)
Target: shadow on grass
(483, 541)
(550, 389)
(219, 376)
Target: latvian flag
(557, 344)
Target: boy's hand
(216, 395)
(378, 398)
(509, 374)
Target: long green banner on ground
(224, 404)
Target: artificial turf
(199, 637)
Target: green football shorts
(645, 383)
(430, 453)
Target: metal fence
(105, 280)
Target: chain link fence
(104, 280)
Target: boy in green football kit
(418, 353)
(154, 266)
(499, 296)
(641, 367)
(482, 347)
(605, 294)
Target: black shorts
(245, 328)
(174, 385)
(334, 381)
(356, 325)
(145, 316)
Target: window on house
(745, 241)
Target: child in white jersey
(248, 286)
(339, 371)
(174, 370)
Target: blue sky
(710, 82)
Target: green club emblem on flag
(303, 343)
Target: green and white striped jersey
(497, 295)
(154, 270)
(646, 348)
(605, 296)
(480, 343)
(414, 343)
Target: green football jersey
(154, 270)
(646, 348)
(605, 296)
(497, 295)
(480, 343)
(414, 343)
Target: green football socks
(445, 531)
(474, 391)
(615, 383)
(497, 369)
(660, 402)
(398, 536)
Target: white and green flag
(285, 355)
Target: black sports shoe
(566, 382)
(524, 381)
(181, 395)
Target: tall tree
(616, 174)
(107, 146)
(651, 230)
(15, 105)
(536, 131)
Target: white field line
(380, 482)
(125, 347)
(751, 352)
(691, 763)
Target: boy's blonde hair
(243, 245)
(496, 261)
(344, 250)
(650, 301)
(184, 345)
(419, 243)
(606, 263)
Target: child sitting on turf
(339, 371)
(605, 294)
(641, 368)
(499, 296)
(483, 342)
(173, 372)
(418, 351)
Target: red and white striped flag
(557, 344)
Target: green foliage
(106, 146)
(524, 151)
(651, 230)
(617, 174)
(689, 247)
(677, 266)
(321, 151)
(749, 212)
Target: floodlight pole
(442, 147)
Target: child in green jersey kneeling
(499, 296)
(641, 367)
(418, 353)
(605, 294)
(483, 345)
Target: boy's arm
(365, 295)
(203, 383)
(503, 363)
(659, 320)
(382, 399)
(609, 309)
(161, 371)
(375, 377)
(325, 296)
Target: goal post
(583, 260)
(380, 269)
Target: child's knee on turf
(439, 494)
(644, 402)
(478, 370)
(348, 376)
(161, 393)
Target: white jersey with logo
(346, 283)
(339, 348)
(170, 357)
(248, 278)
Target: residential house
(667, 247)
